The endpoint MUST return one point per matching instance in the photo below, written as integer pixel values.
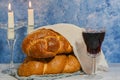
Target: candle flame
(9, 6)
(30, 4)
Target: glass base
(9, 71)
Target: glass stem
(11, 47)
(94, 65)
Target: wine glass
(93, 38)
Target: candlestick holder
(11, 40)
(11, 69)
(30, 28)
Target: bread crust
(55, 65)
(48, 52)
(44, 43)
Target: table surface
(112, 74)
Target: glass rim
(94, 29)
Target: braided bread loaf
(44, 43)
(48, 52)
(55, 65)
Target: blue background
(79, 12)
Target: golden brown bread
(48, 52)
(55, 65)
(44, 43)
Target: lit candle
(30, 17)
(10, 22)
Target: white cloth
(6, 77)
(74, 35)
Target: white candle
(10, 22)
(30, 14)
(30, 18)
(10, 17)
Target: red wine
(93, 41)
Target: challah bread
(58, 64)
(44, 43)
